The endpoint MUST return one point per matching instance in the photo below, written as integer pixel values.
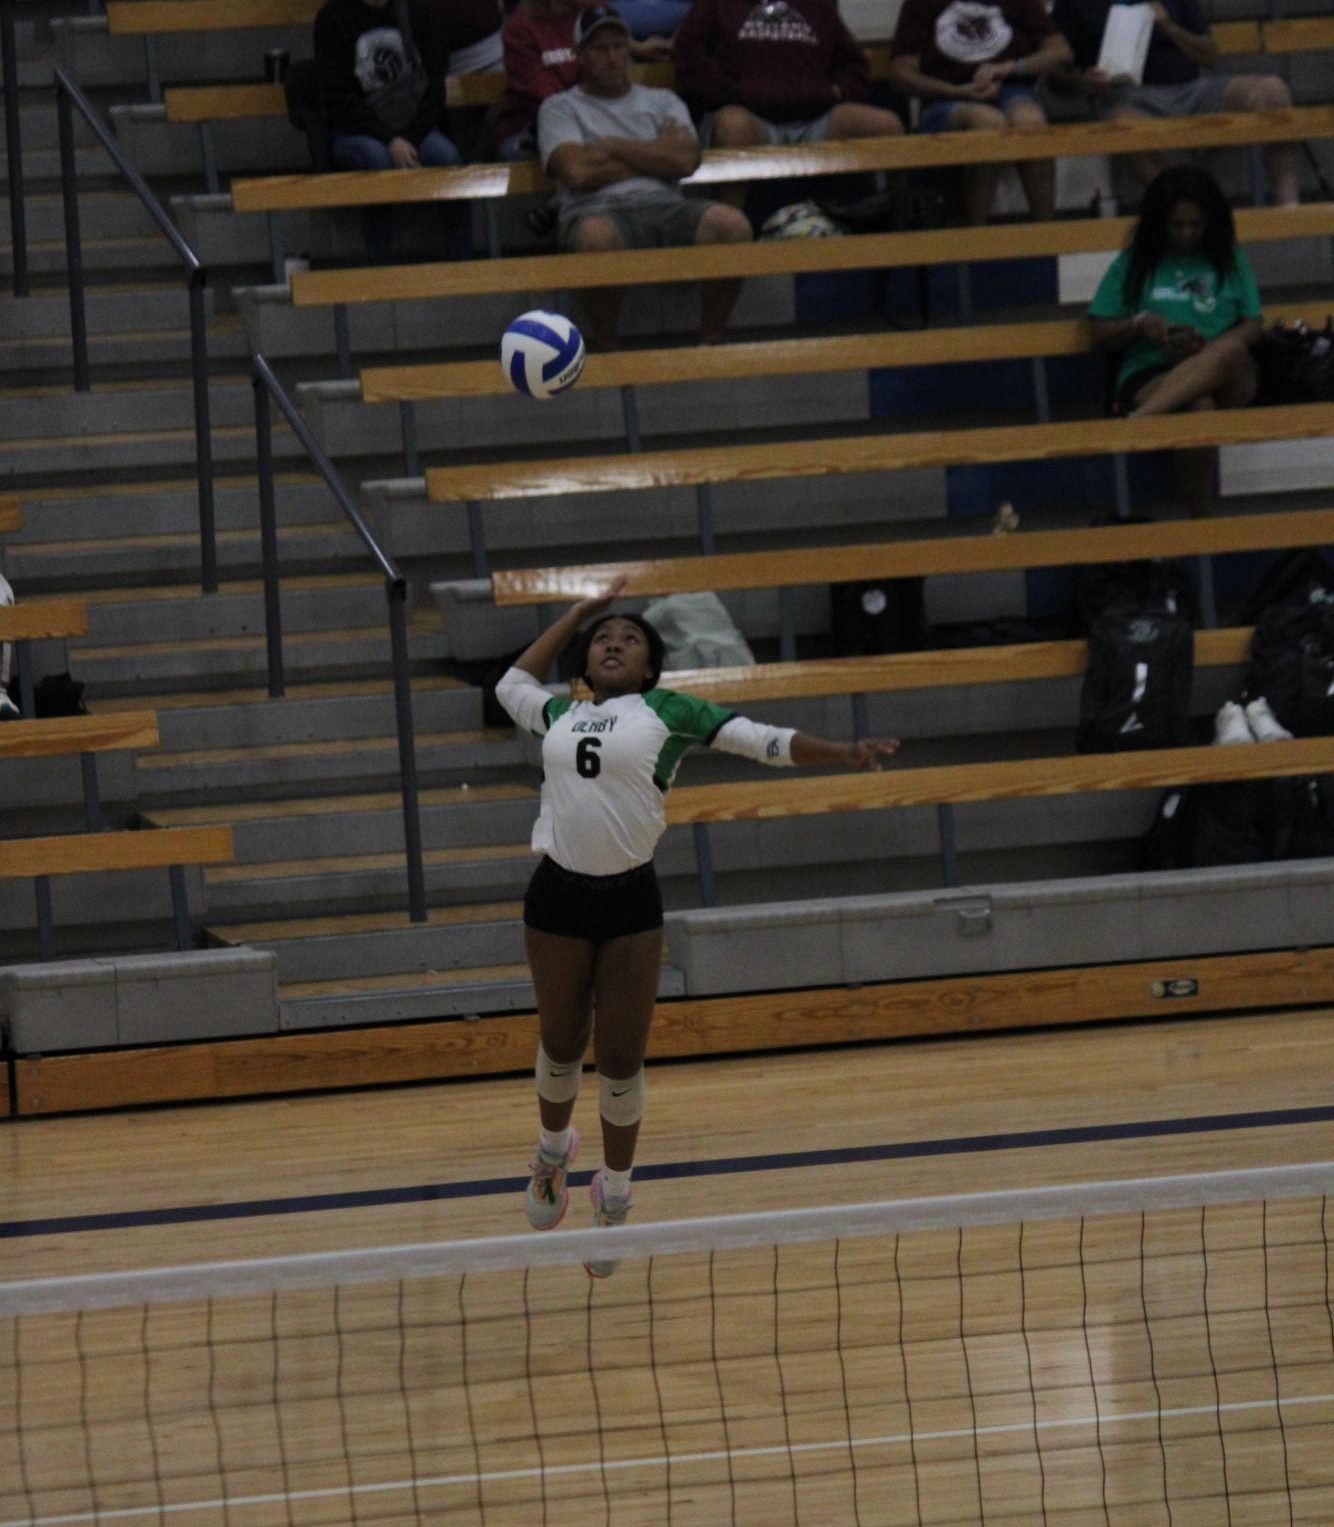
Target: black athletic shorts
(592, 907)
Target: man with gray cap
(618, 151)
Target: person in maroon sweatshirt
(776, 71)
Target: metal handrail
(68, 97)
(268, 389)
(18, 221)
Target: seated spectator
(361, 56)
(782, 71)
(974, 64)
(1178, 81)
(1180, 306)
(540, 60)
(618, 151)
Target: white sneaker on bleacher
(1264, 725)
(1230, 725)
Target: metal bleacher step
(368, 821)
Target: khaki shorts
(647, 225)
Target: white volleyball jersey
(607, 765)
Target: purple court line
(485, 1187)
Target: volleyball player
(593, 912)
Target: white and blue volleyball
(542, 354)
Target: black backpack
(1136, 691)
(1292, 665)
(1157, 584)
(1247, 821)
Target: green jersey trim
(689, 722)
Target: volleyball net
(1124, 1353)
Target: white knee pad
(557, 1081)
(621, 1101)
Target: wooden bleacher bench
(57, 736)
(942, 668)
(40, 619)
(631, 267)
(91, 852)
(1009, 779)
(923, 556)
(895, 451)
(776, 357)
(11, 517)
(281, 193)
(237, 102)
(146, 18)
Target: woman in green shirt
(1180, 304)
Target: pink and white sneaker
(548, 1194)
(607, 1211)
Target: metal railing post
(396, 590)
(69, 98)
(269, 392)
(18, 215)
(208, 541)
(69, 191)
(268, 538)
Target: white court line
(675, 1459)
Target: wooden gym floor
(1002, 1427)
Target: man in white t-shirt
(618, 152)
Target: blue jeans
(359, 151)
(653, 18)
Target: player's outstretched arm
(867, 753)
(538, 658)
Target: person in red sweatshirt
(776, 71)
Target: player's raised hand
(595, 604)
(870, 752)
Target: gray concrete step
(41, 167)
(53, 566)
(369, 822)
(93, 57)
(307, 713)
(146, 307)
(66, 456)
(237, 609)
(221, 663)
(118, 348)
(130, 407)
(385, 943)
(298, 888)
(142, 254)
(102, 215)
(111, 511)
(280, 768)
(259, 146)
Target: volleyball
(542, 354)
